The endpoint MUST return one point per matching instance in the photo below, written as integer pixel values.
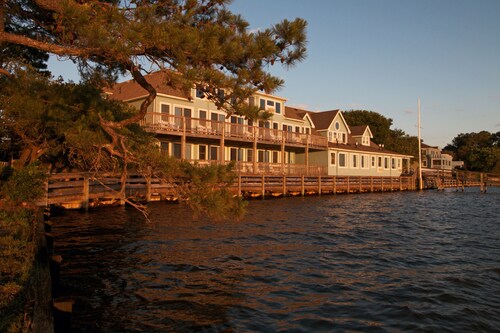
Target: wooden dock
(81, 190)
(460, 180)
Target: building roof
(130, 89)
(423, 145)
(323, 120)
(358, 130)
(294, 113)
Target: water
(424, 262)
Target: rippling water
(373, 262)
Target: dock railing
(79, 190)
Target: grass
(16, 265)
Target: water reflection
(373, 262)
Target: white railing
(165, 123)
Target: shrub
(23, 185)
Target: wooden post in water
(148, 188)
(334, 181)
(371, 184)
(481, 182)
(381, 184)
(86, 192)
(263, 186)
(284, 183)
(303, 190)
(319, 185)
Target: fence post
(334, 180)
(371, 184)
(319, 185)
(348, 185)
(360, 184)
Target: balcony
(194, 127)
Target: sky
(383, 55)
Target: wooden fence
(79, 190)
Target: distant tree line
(479, 151)
(393, 139)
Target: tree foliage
(479, 151)
(193, 41)
(392, 139)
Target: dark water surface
(425, 262)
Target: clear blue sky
(381, 55)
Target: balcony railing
(165, 123)
(265, 168)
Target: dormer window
(269, 105)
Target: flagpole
(420, 185)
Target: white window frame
(345, 155)
(354, 161)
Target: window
(297, 129)
(399, 163)
(214, 153)
(270, 103)
(202, 152)
(386, 163)
(342, 160)
(393, 163)
(262, 156)
(199, 92)
(380, 161)
(373, 161)
(233, 154)
(203, 116)
(164, 148)
(364, 161)
(307, 130)
(332, 158)
(217, 117)
(177, 150)
(344, 138)
(165, 111)
(278, 107)
(354, 160)
(337, 125)
(188, 151)
(276, 126)
(249, 155)
(275, 157)
(262, 104)
(330, 137)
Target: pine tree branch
(6, 37)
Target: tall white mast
(420, 185)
